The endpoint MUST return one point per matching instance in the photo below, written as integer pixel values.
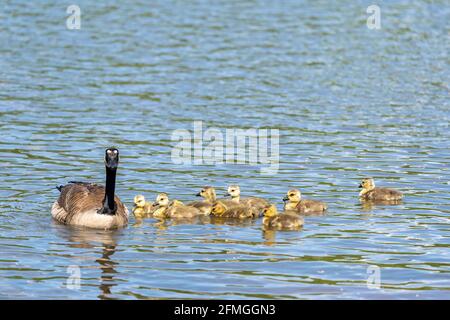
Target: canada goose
(91, 205)
(370, 192)
(258, 204)
(220, 209)
(141, 208)
(293, 201)
(287, 220)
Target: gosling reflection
(269, 237)
(369, 205)
(231, 221)
(94, 239)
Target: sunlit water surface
(349, 102)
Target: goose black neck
(109, 205)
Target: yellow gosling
(141, 207)
(220, 209)
(178, 209)
(160, 206)
(288, 220)
(293, 201)
(258, 204)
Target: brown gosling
(258, 204)
(141, 207)
(293, 201)
(220, 209)
(370, 192)
(288, 220)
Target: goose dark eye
(291, 194)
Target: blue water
(348, 102)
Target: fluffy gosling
(288, 220)
(258, 204)
(370, 192)
(209, 195)
(141, 207)
(178, 210)
(293, 201)
(220, 209)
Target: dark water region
(349, 102)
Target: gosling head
(162, 199)
(367, 184)
(234, 191)
(139, 201)
(218, 208)
(270, 211)
(112, 158)
(208, 193)
(293, 196)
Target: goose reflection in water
(95, 239)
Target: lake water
(349, 102)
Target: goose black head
(112, 158)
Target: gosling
(293, 201)
(178, 210)
(160, 206)
(370, 192)
(258, 204)
(288, 220)
(220, 209)
(141, 207)
(175, 209)
(209, 195)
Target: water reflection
(340, 119)
(370, 205)
(104, 242)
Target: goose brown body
(79, 204)
(91, 205)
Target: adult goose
(92, 205)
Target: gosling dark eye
(291, 195)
